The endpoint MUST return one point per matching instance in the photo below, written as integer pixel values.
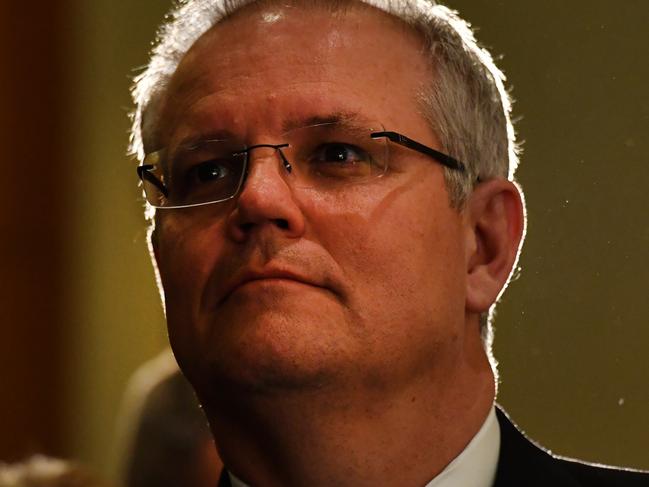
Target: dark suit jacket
(523, 464)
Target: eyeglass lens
(325, 157)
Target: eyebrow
(339, 118)
(196, 139)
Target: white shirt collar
(475, 466)
(235, 482)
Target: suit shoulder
(523, 463)
(593, 475)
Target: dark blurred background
(78, 306)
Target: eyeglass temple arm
(144, 173)
(442, 158)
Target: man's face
(369, 283)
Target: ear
(495, 216)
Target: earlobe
(496, 225)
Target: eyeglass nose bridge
(278, 147)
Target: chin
(268, 350)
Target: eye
(202, 181)
(339, 154)
(209, 171)
(340, 161)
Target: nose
(266, 200)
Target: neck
(347, 437)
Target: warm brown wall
(33, 175)
(113, 314)
(572, 333)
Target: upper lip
(271, 273)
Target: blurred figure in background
(165, 435)
(41, 471)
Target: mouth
(270, 278)
(271, 281)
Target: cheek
(399, 247)
(187, 252)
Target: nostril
(281, 223)
(246, 227)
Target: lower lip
(273, 282)
(258, 287)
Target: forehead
(266, 63)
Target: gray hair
(467, 104)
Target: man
(331, 189)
